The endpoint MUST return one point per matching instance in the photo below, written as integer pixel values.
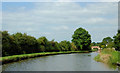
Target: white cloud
(53, 17)
(60, 0)
(60, 28)
(0, 16)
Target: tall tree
(42, 44)
(117, 41)
(0, 43)
(82, 39)
(26, 43)
(9, 45)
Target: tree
(65, 45)
(73, 47)
(117, 41)
(82, 39)
(9, 45)
(107, 42)
(26, 43)
(53, 46)
(0, 43)
(42, 44)
(93, 44)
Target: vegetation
(108, 42)
(95, 44)
(21, 43)
(95, 49)
(117, 41)
(82, 39)
(108, 56)
(14, 58)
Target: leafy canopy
(117, 41)
(82, 39)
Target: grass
(93, 50)
(108, 56)
(14, 58)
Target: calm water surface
(64, 62)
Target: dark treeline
(24, 44)
(109, 42)
(19, 43)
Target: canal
(63, 62)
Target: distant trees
(65, 46)
(20, 43)
(95, 43)
(25, 43)
(42, 44)
(107, 43)
(9, 45)
(82, 39)
(117, 41)
(53, 46)
(0, 43)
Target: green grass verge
(93, 50)
(14, 58)
(108, 56)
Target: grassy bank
(14, 58)
(93, 50)
(108, 56)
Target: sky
(60, 0)
(59, 20)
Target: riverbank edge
(108, 58)
(15, 58)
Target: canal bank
(109, 57)
(15, 58)
(62, 62)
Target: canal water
(63, 62)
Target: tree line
(19, 43)
(109, 42)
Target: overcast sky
(59, 20)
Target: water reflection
(64, 62)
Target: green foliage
(53, 46)
(110, 45)
(15, 58)
(0, 43)
(93, 44)
(82, 39)
(42, 44)
(20, 43)
(65, 45)
(117, 41)
(108, 56)
(107, 43)
(107, 40)
(73, 47)
(9, 45)
(95, 49)
(97, 58)
(26, 43)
